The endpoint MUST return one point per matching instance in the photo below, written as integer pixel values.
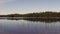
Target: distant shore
(43, 16)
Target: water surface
(28, 27)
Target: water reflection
(32, 19)
(11, 26)
(37, 20)
(28, 27)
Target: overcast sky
(28, 6)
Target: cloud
(5, 1)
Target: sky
(28, 6)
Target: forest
(40, 14)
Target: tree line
(41, 14)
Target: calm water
(28, 27)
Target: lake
(28, 27)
